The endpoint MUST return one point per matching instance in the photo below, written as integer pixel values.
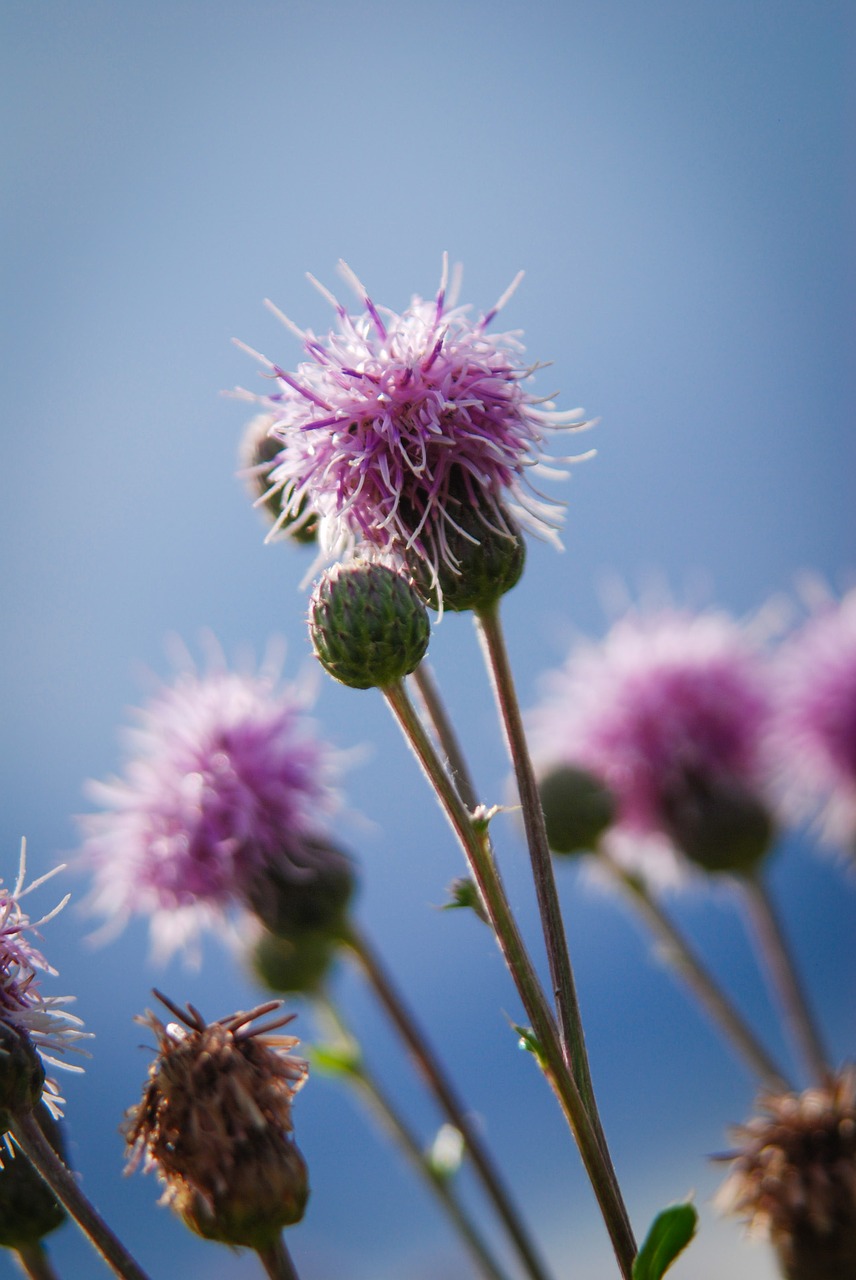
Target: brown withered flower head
(793, 1179)
(215, 1123)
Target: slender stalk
(472, 834)
(391, 1119)
(435, 710)
(687, 965)
(41, 1155)
(561, 974)
(34, 1262)
(277, 1262)
(783, 977)
(433, 1072)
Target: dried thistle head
(215, 1123)
(794, 1178)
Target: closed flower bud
(307, 892)
(793, 1179)
(368, 627)
(215, 1122)
(22, 1076)
(717, 822)
(477, 564)
(578, 809)
(258, 455)
(296, 966)
(29, 1210)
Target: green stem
(561, 975)
(783, 977)
(433, 1072)
(34, 1262)
(277, 1262)
(687, 965)
(472, 834)
(392, 1120)
(447, 738)
(41, 1155)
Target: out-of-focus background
(676, 179)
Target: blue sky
(677, 182)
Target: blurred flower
(815, 726)
(794, 1178)
(40, 1022)
(227, 781)
(215, 1123)
(397, 423)
(670, 712)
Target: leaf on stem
(464, 892)
(670, 1233)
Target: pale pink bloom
(396, 421)
(226, 776)
(815, 725)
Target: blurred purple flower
(42, 1019)
(226, 777)
(397, 421)
(815, 726)
(670, 711)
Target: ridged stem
(433, 1072)
(781, 971)
(438, 717)
(390, 1118)
(472, 834)
(681, 958)
(34, 1262)
(43, 1158)
(277, 1262)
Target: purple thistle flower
(41, 1019)
(670, 712)
(395, 423)
(814, 734)
(226, 778)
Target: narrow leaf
(670, 1233)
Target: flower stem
(438, 717)
(34, 1262)
(687, 965)
(277, 1262)
(473, 836)
(782, 975)
(392, 1120)
(433, 1072)
(42, 1157)
(561, 975)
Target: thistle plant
(403, 451)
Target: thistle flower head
(793, 1180)
(669, 711)
(215, 1124)
(34, 1028)
(814, 734)
(226, 781)
(395, 424)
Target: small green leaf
(465, 893)
(336, 1059)
(670, 1233)
(529, 1041)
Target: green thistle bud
(297, 965)
(717, 822)
(259, 451)
(22, 1076)
(479, 564)
(368, 627)
(29, 1210)
(578, 809)
(308, 892)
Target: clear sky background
(676, 179)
